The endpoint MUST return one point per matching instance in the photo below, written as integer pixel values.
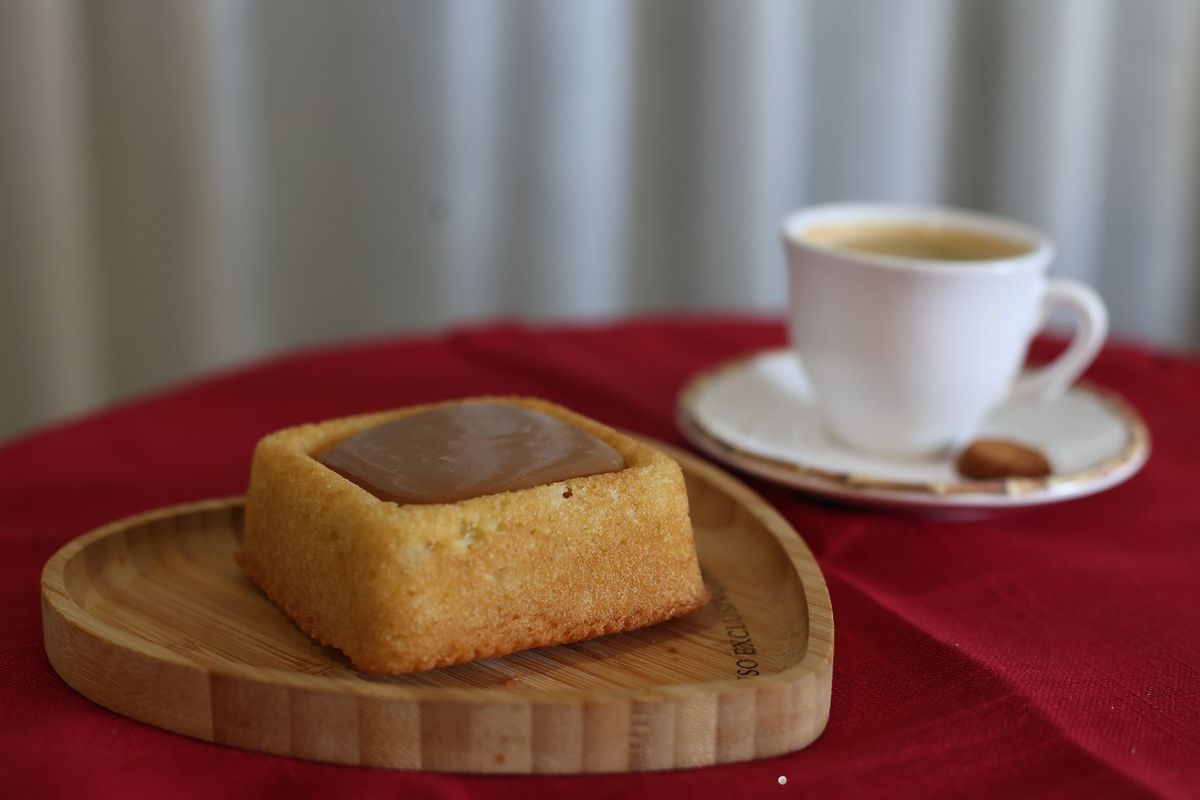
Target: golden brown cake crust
(402, 588)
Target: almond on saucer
(990, 459)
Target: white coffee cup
(907, 350)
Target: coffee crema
(914, 240)
(468, 450)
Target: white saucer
(756, 413)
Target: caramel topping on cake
(455, 452)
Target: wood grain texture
(150, 617)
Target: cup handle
(1046, 384)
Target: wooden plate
(150, 617)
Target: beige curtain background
(186, 185)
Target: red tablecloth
(1054, 651)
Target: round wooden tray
(151, 617)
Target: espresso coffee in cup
(907, 240)
(912, 323)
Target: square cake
(453, 550)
